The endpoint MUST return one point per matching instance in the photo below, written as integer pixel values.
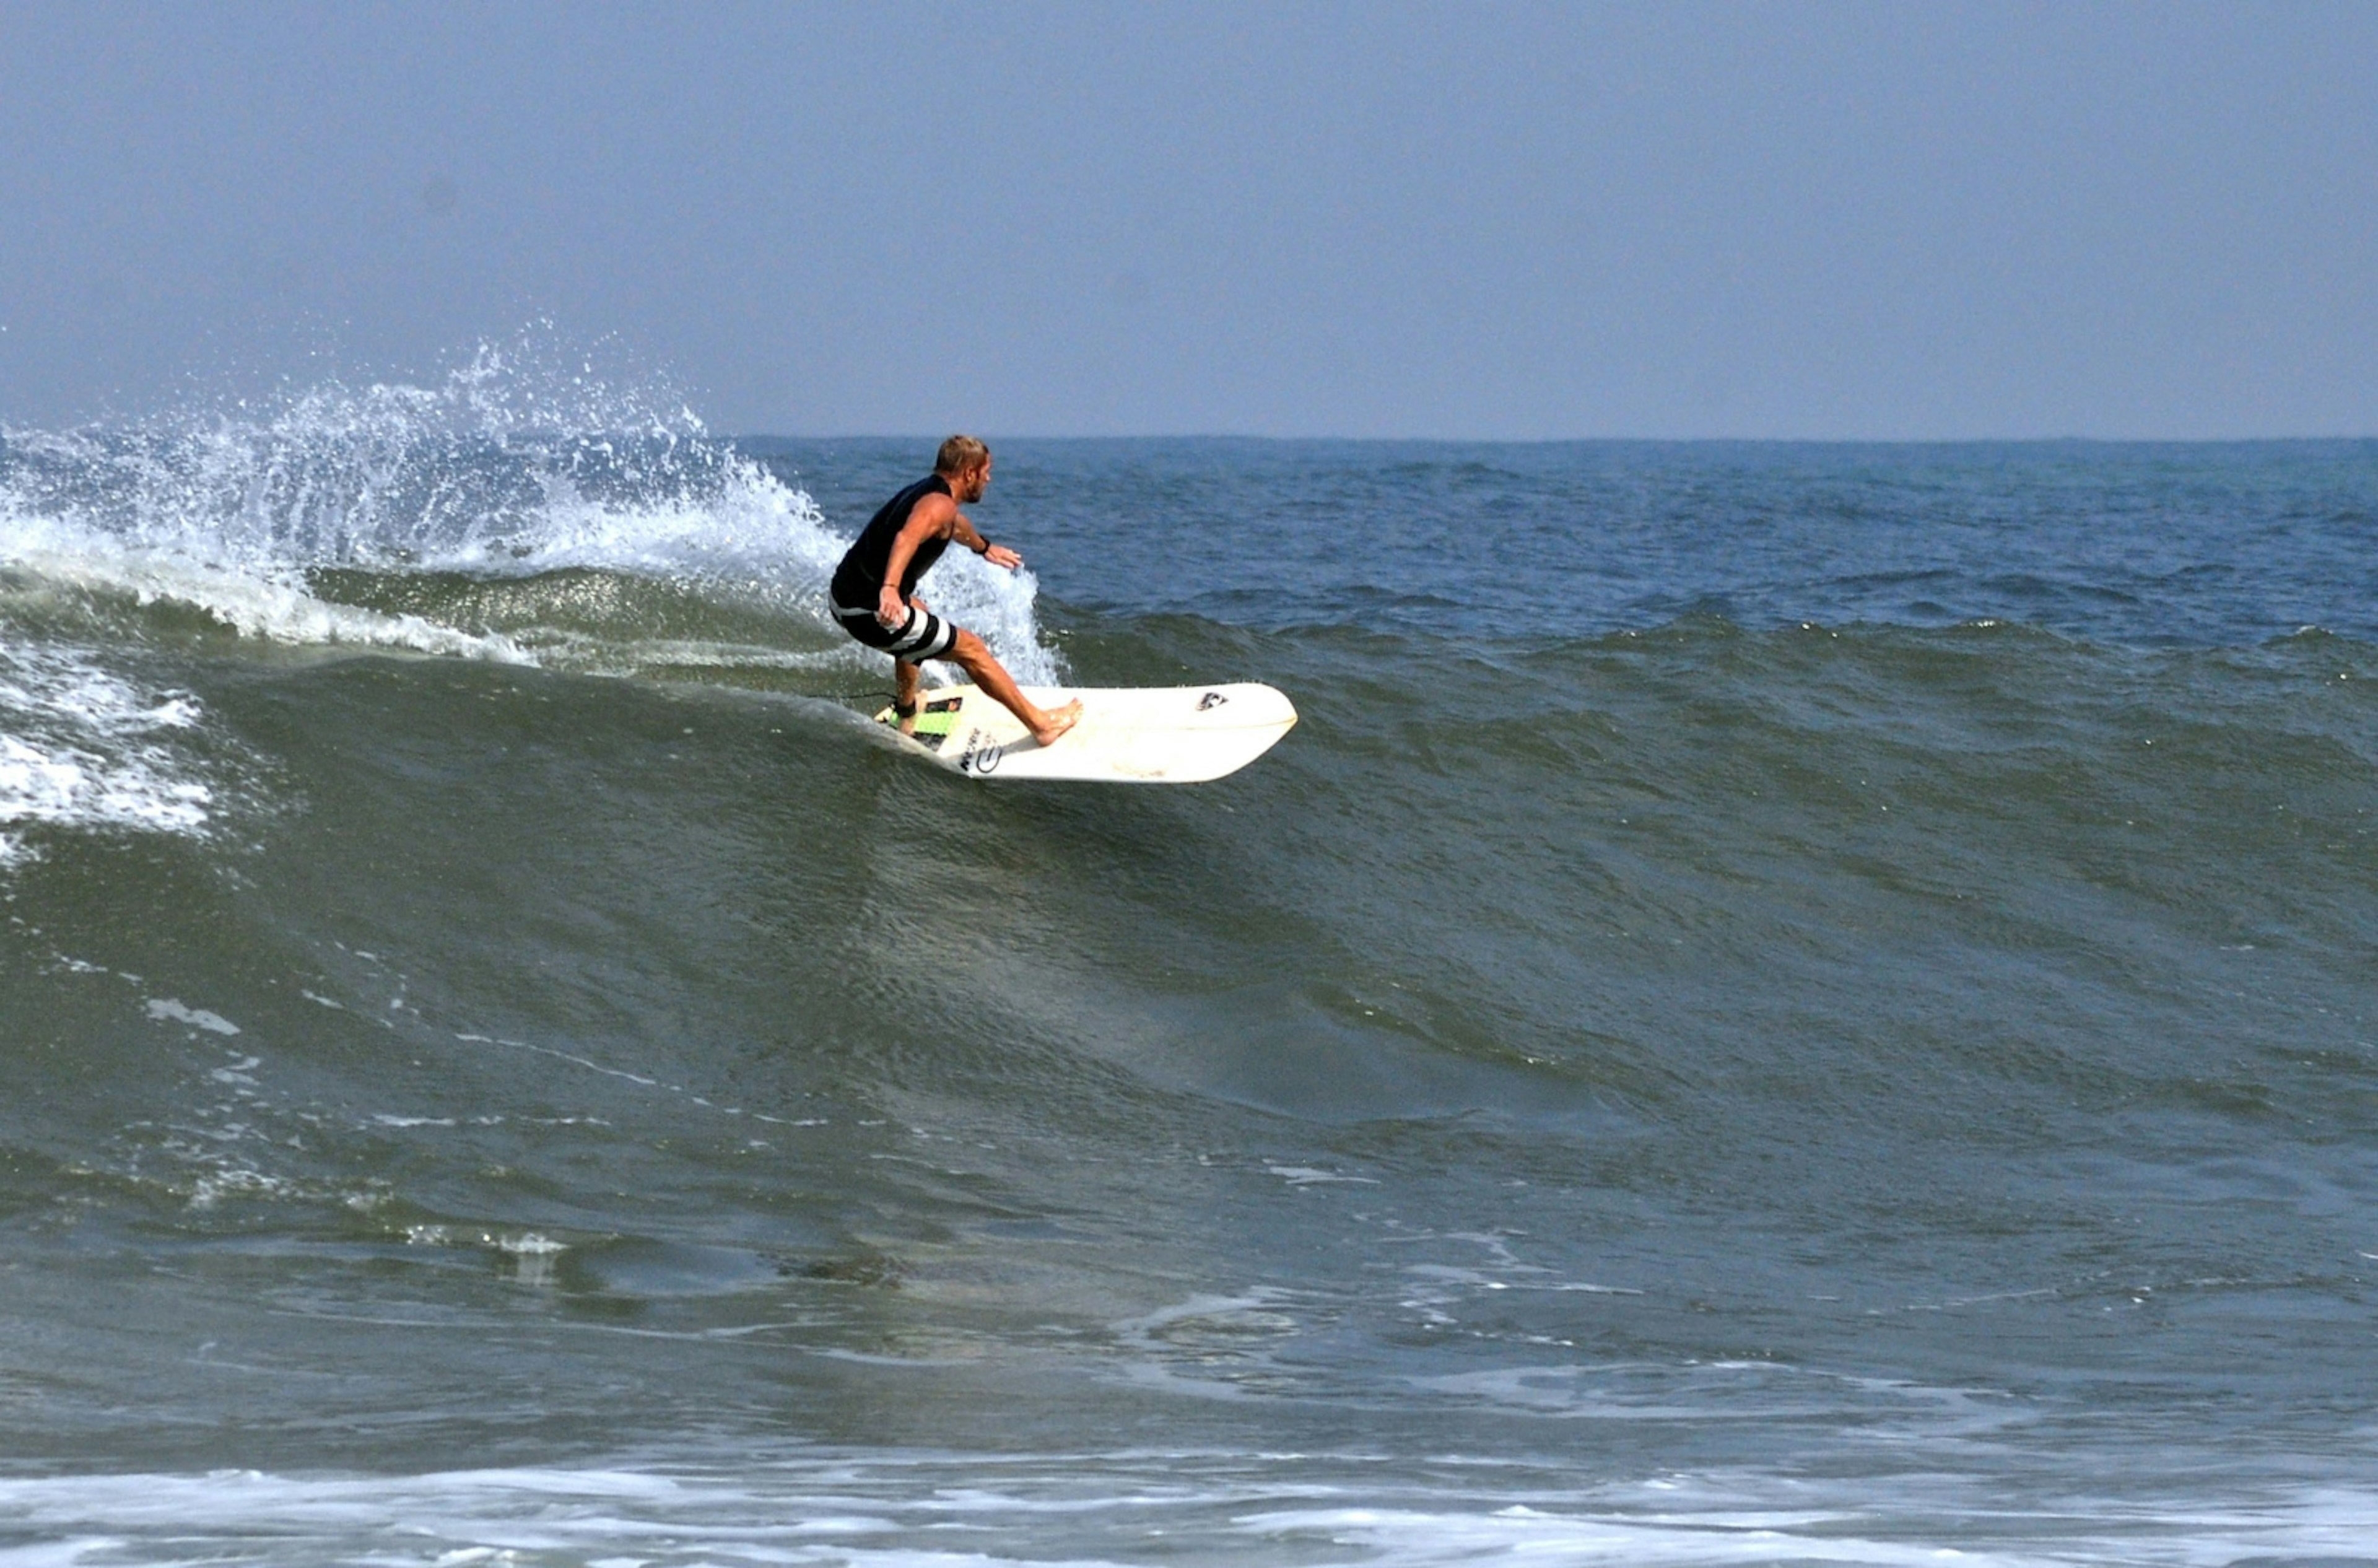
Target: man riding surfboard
(874, 590)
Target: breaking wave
(287, 520)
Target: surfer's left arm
(997, 555)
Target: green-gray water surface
(1832, 1023)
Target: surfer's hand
(889, 610)
(1001, 556)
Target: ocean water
(1785, 1004)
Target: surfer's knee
(970, 651)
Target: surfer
(874, 590)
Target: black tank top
(859, 580)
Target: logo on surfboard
(981, 755)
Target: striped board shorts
(923, 635)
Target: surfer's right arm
(932, 519)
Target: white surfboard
(1126, 735)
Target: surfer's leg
(970, 654)
(923, 635)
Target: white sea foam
(173, 1008)
(84, 746)
(264, 600)
(947, 1509)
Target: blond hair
(960, 454)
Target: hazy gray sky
(1504, 220)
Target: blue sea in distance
(1784, 1004)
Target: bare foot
(1057, 722)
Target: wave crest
(521, 460)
